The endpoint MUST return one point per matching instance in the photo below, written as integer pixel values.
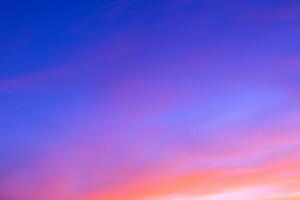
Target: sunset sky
(150, 100)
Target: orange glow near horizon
(277, 178)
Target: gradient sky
(150, 100)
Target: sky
(150, 100)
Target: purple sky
(149, 100)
